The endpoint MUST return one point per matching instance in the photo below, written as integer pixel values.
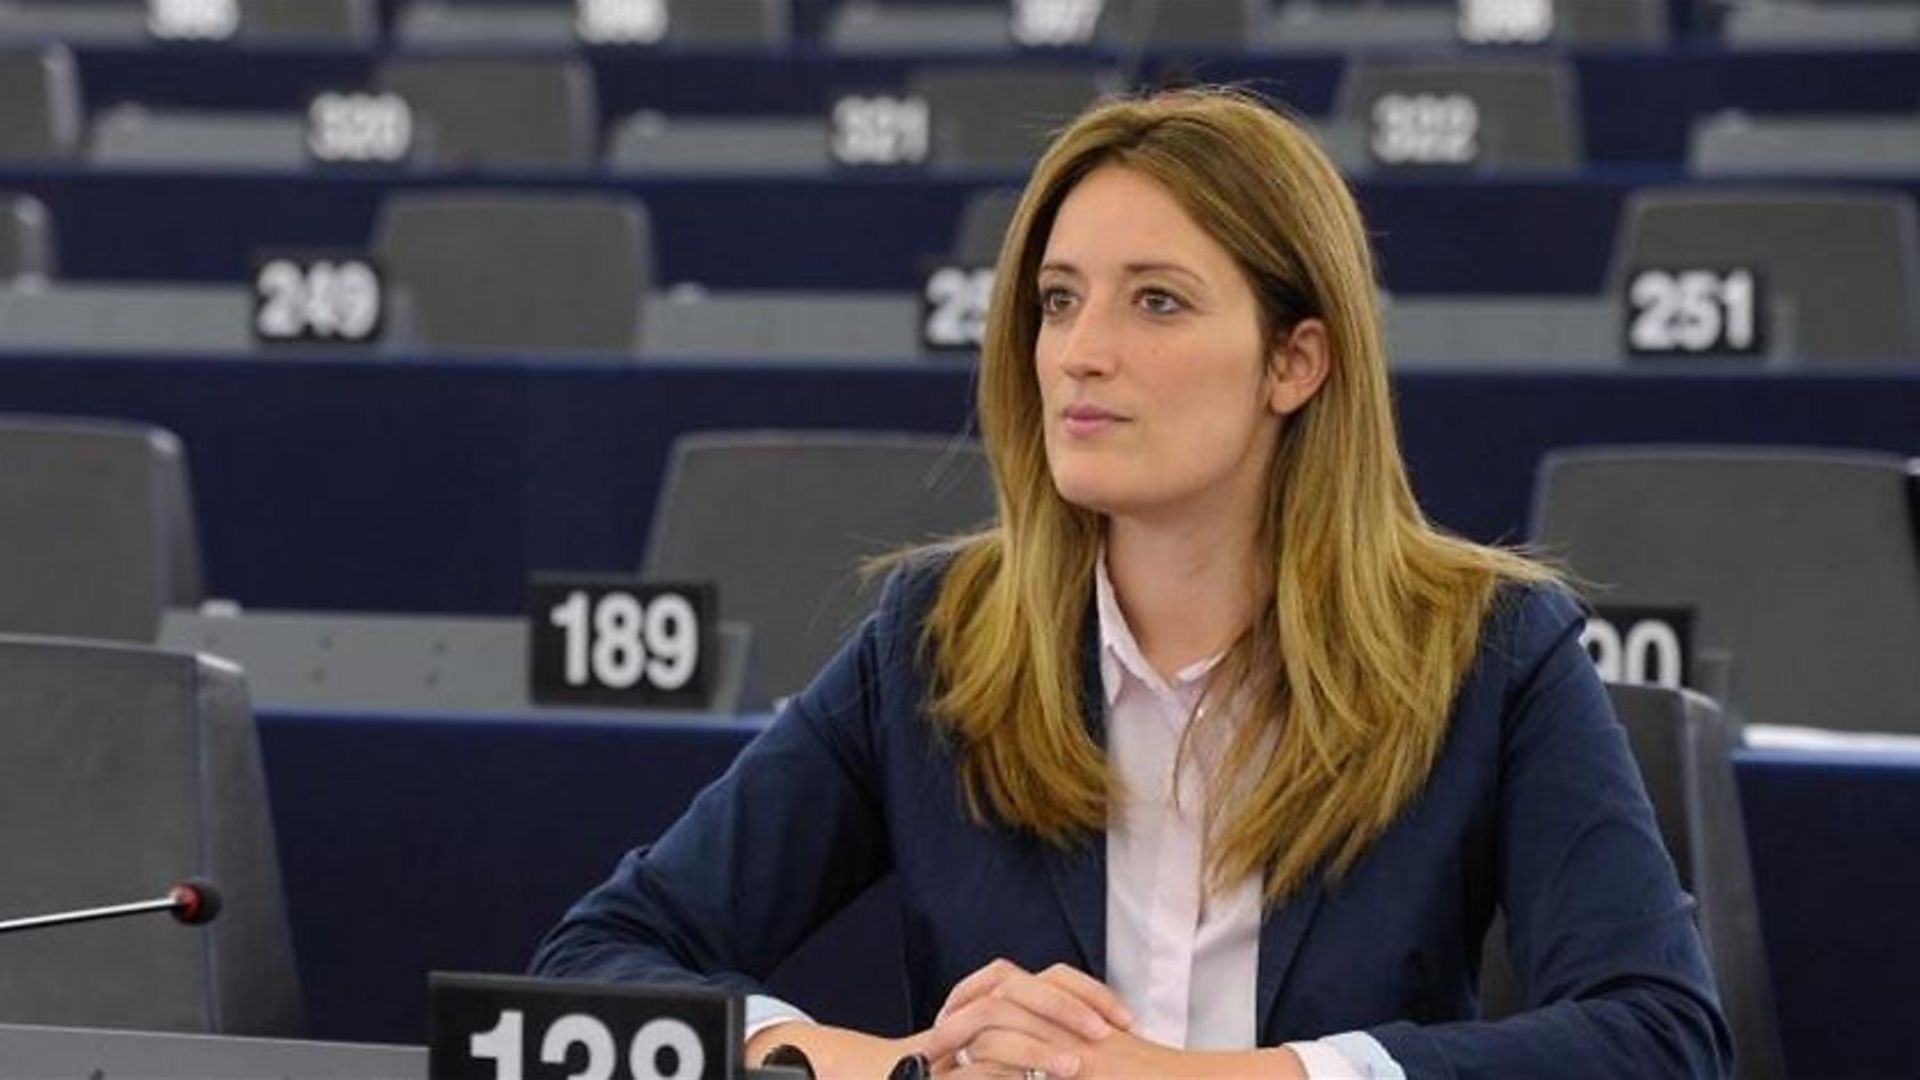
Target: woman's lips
(1088, 420)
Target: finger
(1092, 991)
(1048, 1000)
(1019, 1051)
(979, 984)
(967, 1023)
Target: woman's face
(1154, 375)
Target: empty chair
(464, 664)
(1843, 144)
(1519, 331)
(729, 22)
(97, 535)
(40, 112)
(1842, 264)
(1315, 25)
(780, 522)
(334, 22)
(835, 327)
(135, 136)
(983, 226)
(1684, 744)
(1000, 116)
(127, 769)
(27, 246)
(1479, 114)
(498, 112)
(1220, 24)
(1802, 564)
(651, 142)
(499, 270)
(959, 25)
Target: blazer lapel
(1079, 873)
(1280, 937)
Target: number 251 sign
(610, 641)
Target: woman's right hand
(1009, 1015)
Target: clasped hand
(1004, 1021)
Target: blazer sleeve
(792, 832)
(1598, 927)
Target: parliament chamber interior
(362, 362)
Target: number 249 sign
(610, 641)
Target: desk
(1835, 839)
(413, 843)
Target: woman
(1212, 758)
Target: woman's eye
(1161, 302)
(1055, 300)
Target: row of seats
(886, 25)
(1781, 278)
(102, 545)
(508, 113)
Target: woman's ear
(1297, 366)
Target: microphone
(193, 901)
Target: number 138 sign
(507, 1028)
(618, 642)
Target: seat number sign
(508, 1028)
(953, 307)
(193, 20)
(1694, 312)
(869, 130)
(1641, 646)
(317, 297)
(622, 22)
(1054, 23)
(1424, 129)
(615, 641)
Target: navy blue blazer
(1534, 804)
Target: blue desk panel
(415, 843)
(1635, 106)
(871, 231)
(437, 485)
(1836, 864)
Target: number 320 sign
(619, 642)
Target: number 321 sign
(612, 641)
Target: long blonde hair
(1351, 665)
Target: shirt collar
(1120, 653)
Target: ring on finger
(1034, 1074)
(962, 1058)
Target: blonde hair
(1351, 665)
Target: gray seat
(135, 136)
(143, 318)
(500, 270)
(871, 26)
(1848, 263)
(1001, 116)
(97, 534)
(40, 111)
(1802, 565)
(334, 22)
(1684, 744)
(984, 220)
(781, 521)
(28, 249)
(653, 143)
(470, 665)
(1316, 26)
(767, 23)
(1216, 24)
(1528, 110)
(127, 769)
(1835, 144)
(500, 112)
(1610, 22)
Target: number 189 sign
(619, 642)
